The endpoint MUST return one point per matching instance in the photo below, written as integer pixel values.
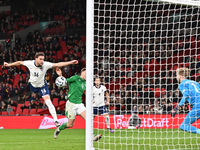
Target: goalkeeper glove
(174, 111)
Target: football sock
(198, 131)
(52, 109)
(107, 121)
(63, 126)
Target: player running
(74, 105)
(38, 69)
(191, 93)
(99, 105)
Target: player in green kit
(74, 105)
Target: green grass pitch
(74, 139)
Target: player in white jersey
(38, 69)
(99, 106)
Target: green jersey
(76, 88)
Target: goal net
(138, 45)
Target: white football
(61, 81)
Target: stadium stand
(125, 81)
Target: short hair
(97, 77)
(83, 69)
(183, 72)
(39, 54)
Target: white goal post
(135, 47)
(89, 74)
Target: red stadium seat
(55, 102)
(24, 76)
(128, 80)
(11, 113)
(16, 80)
(46, 31)
(56, 17)
(25, 112)
(23, 54)
(18, 112)
(198, 57)
(4, 113)
(73, 21)
(157, 92)
(52, 31)
(6, 71)
(26, 103)
(78, 54)
(14, 108)
(83, 38)
(39, 110)
(61, 17)
(62, 102)
(122, 81)
(41, 100)
(174, 104)
(195, 76)
(59, 54)
(32, 112)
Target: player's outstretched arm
(17, 63)
(183, 100)
(62, 64)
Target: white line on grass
(22, 143)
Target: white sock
(107, 121)
(52, 109)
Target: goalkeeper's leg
(191, 117)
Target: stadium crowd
(139, 77)
(70, 16)
(26, 51)
(137, 54)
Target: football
(61, 81)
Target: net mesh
(138, 45)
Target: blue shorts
(100, 110)
(42, 90)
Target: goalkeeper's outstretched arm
(183, 100)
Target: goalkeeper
(191, 93)
(74, 105)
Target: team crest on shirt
(83, 86)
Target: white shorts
(71, 109)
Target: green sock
(63, 126)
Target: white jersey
(37, 74)
(98, 96)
